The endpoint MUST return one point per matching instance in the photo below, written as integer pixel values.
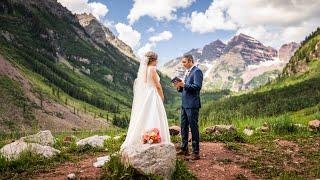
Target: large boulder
(44, 138)
(93, 141)
(158, 159)
(314, 125)
(13, 150)
(174, 130)
(220, 129)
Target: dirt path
(218, 163)
(83, 169)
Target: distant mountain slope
(236, 65)
(298, 88)
(102, 34)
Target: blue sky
(182, 41)
(180, 25)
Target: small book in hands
(175, 80)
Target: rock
(94, 141)
(44, 138)
(101, 161)
(13, 150)
(219, 129)
(158, 159)
(314, 125)
(248, 131)
(174, 130)
(264, 128)
(71, 176)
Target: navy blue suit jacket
(191, 90)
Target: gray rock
(71, 176)
(101, 161)
(13, 150)
(248, 132)
(158, 159)
(94, 141)
(220, 129)
(44, 138)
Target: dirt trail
(218, 163)
(83, 168)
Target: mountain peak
(102, 34)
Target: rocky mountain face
(243, 63)
(102, 34)
(286, 51)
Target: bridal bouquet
(152, 136)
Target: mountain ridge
(251, 56)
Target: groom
(190, 89)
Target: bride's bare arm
(154, 76)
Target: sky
(173, 27)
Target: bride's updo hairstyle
(151, 56)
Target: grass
(27, 163)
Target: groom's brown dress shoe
(195, 157)
(181, 152)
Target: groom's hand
(179, 84)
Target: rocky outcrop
(286, 51)
(13, 150)
(102, 34)
(158, 159)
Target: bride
(147, 108)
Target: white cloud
(83, 6)
(270, 21)
(164, 36)
(128, 35)
(147, 47)
(158, 9)
(98, 9)
(151, 29)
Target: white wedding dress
(147, 110)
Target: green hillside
(47, 44)
(296, 92)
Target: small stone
(71, 176)
(101, 161)
(248, 132)
(174, 130)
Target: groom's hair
(189, 57)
